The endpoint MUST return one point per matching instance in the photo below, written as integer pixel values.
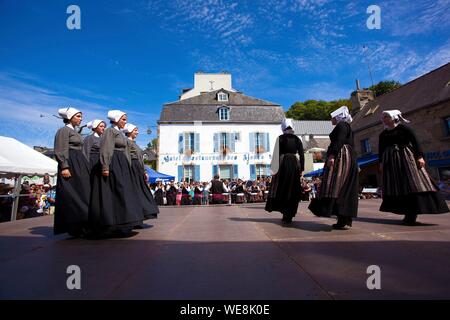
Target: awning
(17, 158)
(439, 163)
(313, 173)
(363, 161)
(155, 176)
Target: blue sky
(137, 55)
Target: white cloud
(28, 111)
(401, 18)
(213, 19)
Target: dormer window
(224, 114)
(222, 96)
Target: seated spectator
(50, 200)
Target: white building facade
(218, 132)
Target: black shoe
(121, 234)
(142, 226)
(410, 223)
(410, 220)
(286, 219)
(340, 226)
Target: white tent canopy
(17, 158)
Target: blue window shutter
(197, 173)
(181, 143)
(235, 171)
(216, 142)
(197, 142)
(233, 142)
(215, 170)
(228, 135)
(267, 169)
(252, 172)
(267, 146)
(252, 141)
(180, 173)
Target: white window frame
(228, 166)
(222, 96)
(261, 168)
(189, 141)
(223, 142)
(188, 169)
(224, 114)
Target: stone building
(425, 101)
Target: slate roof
(322, 143)
(312, 127)
(427, 90)
(205, 108)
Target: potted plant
(225, 150)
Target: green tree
(315, 109)
(153, 145)
(384, 87)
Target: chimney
(360, 98)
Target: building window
(189, 142)
(222, 96)
(189, 174)
(224, 114)
(224, 142)
(262, 171)
(226, 172)
(259, 142)
(447, 126)
(365, 146)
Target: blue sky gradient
(137, 55)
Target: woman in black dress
(73, 186)
(118, 209)
(171, 194)
(288, 163)
(338, 192)
(149, 208)
(159, 194)
(91, 144)
(407, 187)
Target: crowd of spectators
(34, 200)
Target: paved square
(232, 252)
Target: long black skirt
(72, 196)
(171, 198)
(408, 189)
(338, 191)
(94, 161)
(286, 187)
(115, 205)
(148, 204)
(159, 197)
(415, 204)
